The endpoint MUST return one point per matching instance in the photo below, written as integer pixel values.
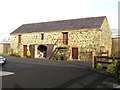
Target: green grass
(2, 54)
(110, 60)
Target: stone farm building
(72, 36)
(4, 48)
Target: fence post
(93, 61)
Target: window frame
(19, 38)
(42, 36)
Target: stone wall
(14, 43)
(106, 37)
(86, 39)
(33, 38)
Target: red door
(75, 53)
(24, 50)
(65, 38)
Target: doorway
(32, 50)
(25, 50)
(75, 53)
(43, 50)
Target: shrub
(110, 60)
(112, 68)
(117, 73)
(65, 55)
(3, 54)
(15, 54)
(99, 66)
(62, 55)
(58, 56)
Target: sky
(14, 13)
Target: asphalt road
(35, 73)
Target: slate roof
(76, 24)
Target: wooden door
(32, 50)
(50, 48)
(25, 50)
(65, 38)
(75, 53)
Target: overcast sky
(14, 13)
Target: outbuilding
(74, 36)
(4, 48)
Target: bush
(58, 56)
(61, 55)
(112, 68)
(3, 54)
(110, 60)
(65, 55)
(15, 54)
(99, 66)
(117, 73)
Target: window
(42, 36)
(19, 38)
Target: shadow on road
(17, 86)
(89, 80)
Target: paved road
(35, 73)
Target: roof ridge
(65, 20)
